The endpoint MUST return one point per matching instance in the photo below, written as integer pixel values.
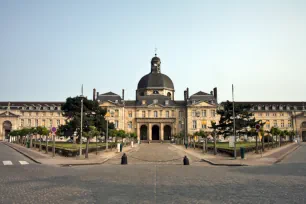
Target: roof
(22, 103)
(155, 80)
(109, 94)
(289, 105)
(200, 93)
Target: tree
(42, 131)
(243, 119)
(93, 132)
(215, 127)
(93, 115)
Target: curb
(216, 164)
(286, 154)
(24, 154)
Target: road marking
(23, 162)
(7, 163)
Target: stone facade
(155, 115)
(17, 115)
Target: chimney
(211, 93)
(122, 94)
(94, 95)
(97, 95)
(187, 93)
(216, 94)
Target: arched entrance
(143, 132)
(155, 132)
(7, 127)
(167, 132)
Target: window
(274, 114)
(181, 124)
(167, 102)
(259, 107)
(273, 107)
(281, 114)
(149, 113)
(259, 114)
(130, 125)
(143, 114)
(130, 114)
(172, 113)
(116, 113)
(22, 123)
(116, 124)
(155, 92)
(267, 114)
(30, 113)
(44, 114)
(268, 124)
(58, 122)
(194, 124)
(155, 114)
(213, 113)
(275, 123)
(50, 123)
(160, 113)
(44, 123)
(36, 123)
(29, 122)
(267, 107)
(36, 113)
(288, 108)
(180, 114)
(203, 126)
(282, 123)
(193, 113)
(143, 102)
(155, 101)
(203, 113)
(51, 114)
(289, 123)
(59, 114)
(167, 114)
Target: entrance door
(7, 127)
(155, 132)
(167, 132)
(304, 136)
(143, 132)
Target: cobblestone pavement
(155, 153)
(284, 182)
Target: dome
(155, 80)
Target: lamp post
(234, 125)
(268, 123)
(106, 137)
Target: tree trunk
(31, 141)
(47, 150)
(215, 144)
(87, 146)
(256, 149)
(35, 140)
(204, 146)
(40, 142)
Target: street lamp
(106, 138)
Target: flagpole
(81, 132)
(234, 125)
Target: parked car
(70, 141)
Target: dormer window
(143, 102)
(280, 107)
(193, 102)
(295, 107)
(288, 107)
(273, 108)
(259, 107)
(167, 102)
(116, 101)
(155, 101)
(267, 107)
(51, 108)
(155, 92)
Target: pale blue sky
(49, 48)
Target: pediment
(8, 114)
(108, 104)
(202, 103)
(155, 106)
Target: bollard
(132, 144)
(186, 161)
(118, 147)
(124, 159)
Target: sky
(48, 49)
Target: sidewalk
(251, 159)
(43, 158)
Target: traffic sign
(53, 129)
(257, 126)
(107, 114)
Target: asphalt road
(8, 156)
(150, 183)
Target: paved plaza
(284, 182)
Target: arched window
(169, 94)
(155, 92)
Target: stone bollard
(186, 160)
(124, 159)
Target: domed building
(155, 115)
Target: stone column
(161, 131)
(150, 131)
(138, 131)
